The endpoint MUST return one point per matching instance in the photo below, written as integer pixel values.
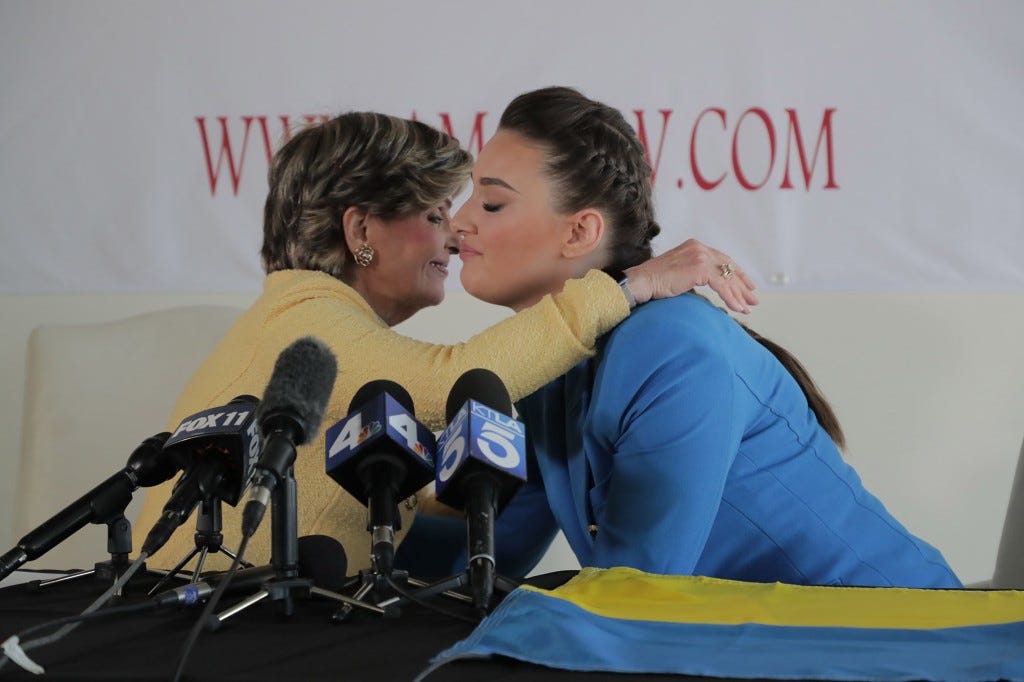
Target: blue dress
(688, 449)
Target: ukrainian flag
(624, 620)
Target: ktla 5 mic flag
(624, 620)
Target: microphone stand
(119, 545)
(371, 580)
(374, 581)
(480, 575)
(286, 586)
(381, 521)
(103, 504)
(448, 585)
(208, 540)
(378, 578)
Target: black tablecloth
(257, 644)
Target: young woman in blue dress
(688, 444)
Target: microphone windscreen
(322, 559)
(375, 388)
(481, 385)
(301, 385)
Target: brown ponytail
(815, 398)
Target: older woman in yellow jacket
(356, 239)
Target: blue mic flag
(380, 426)
(479, 438)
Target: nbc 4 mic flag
(379, 425)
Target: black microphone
(293, 406)
(192, 593)
(148, 465)
(380, 454)
(228, 433)
(481, 464)
(217, 449)
(322, 559)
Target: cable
(427, 605)
(82, 617)
(15, 652)
(193, 635)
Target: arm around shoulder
(526, 350)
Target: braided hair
(594, 160)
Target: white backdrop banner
(826, 146)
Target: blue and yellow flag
(624, 620)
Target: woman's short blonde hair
(388, 166)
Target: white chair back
(93, 392)
(1009, 571)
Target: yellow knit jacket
(526, 350)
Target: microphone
(228, 433)
(192, 593)
(481, 465)
(293, 407)
(380, 454)
(148, 465)
(322, 559)
(217, 448)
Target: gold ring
(726, 269)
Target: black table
(257, 644)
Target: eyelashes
(439, 219)
(492, 208)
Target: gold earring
(364, 255)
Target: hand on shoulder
(688, 265)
